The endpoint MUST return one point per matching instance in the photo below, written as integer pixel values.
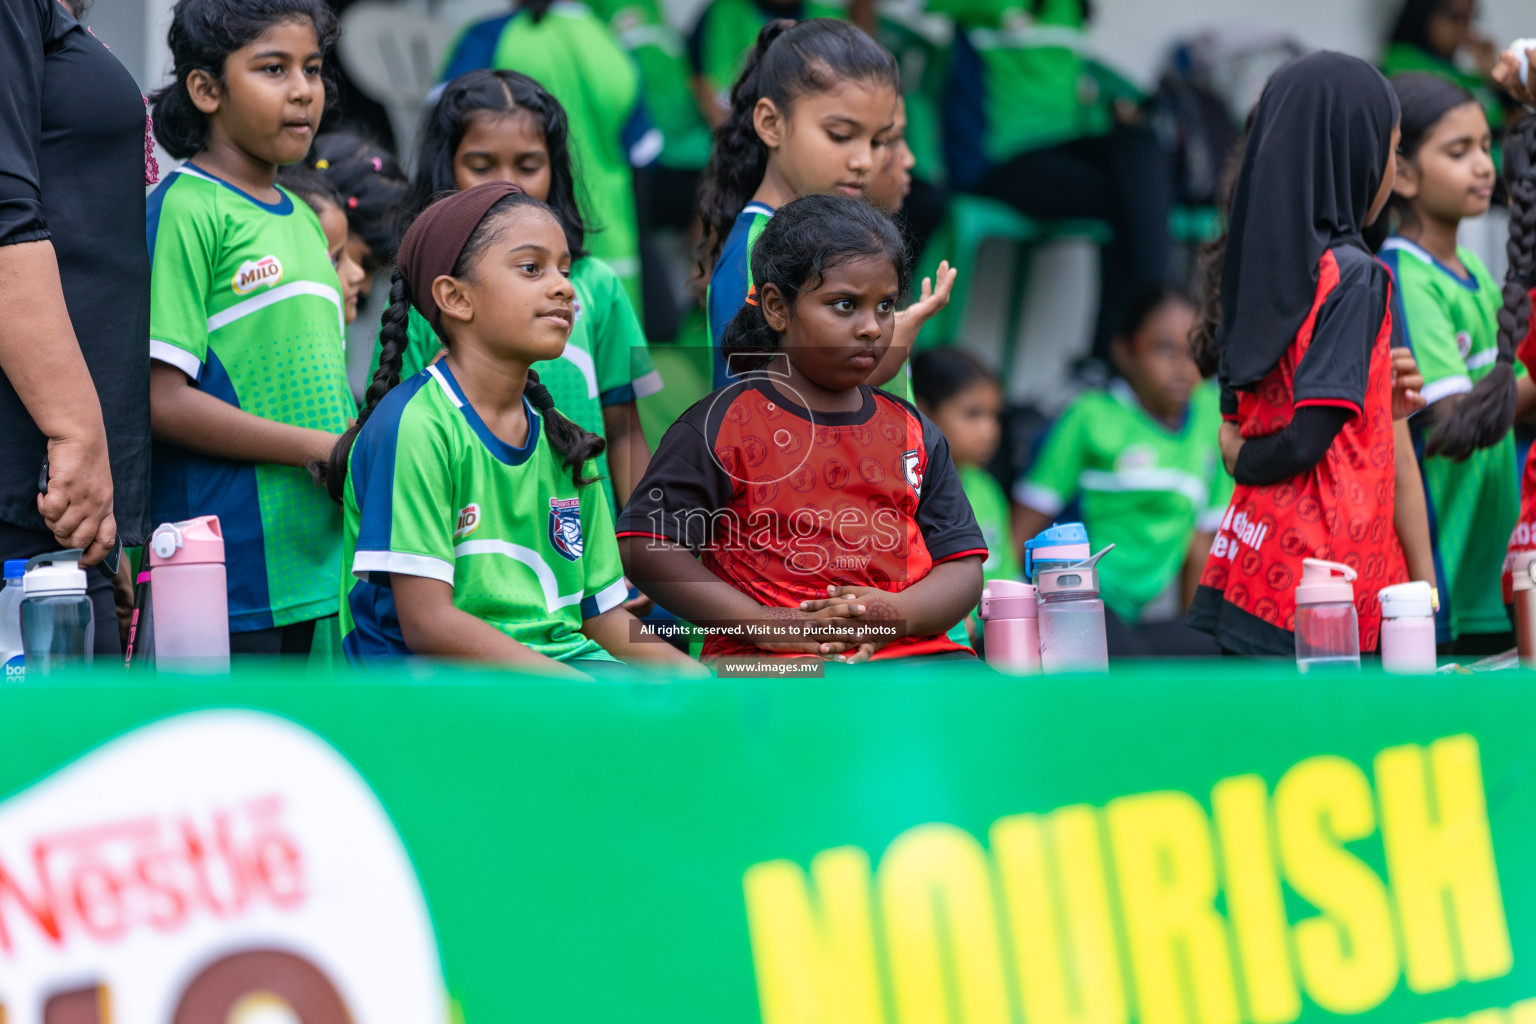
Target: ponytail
(575, 446)
(1485, 414)
(789, 60)
(394, 337)
(739, 158)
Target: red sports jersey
(780, 501)
(1342, 509)
(1524, 536)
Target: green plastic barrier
(1217, 844)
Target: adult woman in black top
(74, 296)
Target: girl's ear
(769, 122)
(452, 298)
(205, 91)
(775, 309)
(1406, 184)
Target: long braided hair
(574, 445)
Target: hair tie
(351, 202)
(752, 296)
(378, 165)
(322, 164)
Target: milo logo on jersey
(254, 273)
(565, 526)
(469, 519)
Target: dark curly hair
(371, 186)
(802, 242)
(202, 36)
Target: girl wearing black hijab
(1305, 360)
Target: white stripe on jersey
(442, 382)
(611, 596)
(293, 289)
(186, 362)
(582, 360)
(553, 599)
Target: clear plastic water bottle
(12, 659)
(1072, 637)
(1327, 628)
(58, 628)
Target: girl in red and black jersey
(801, 511)
(1303, 346)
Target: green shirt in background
(727, 31)
(1038, 88)
(990, 506)
(1144, 488)
(1451, 323)
(573, 55)
(1402, 57)
(658, 49)
(606, 360)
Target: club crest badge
(565, 526)
(910, 467)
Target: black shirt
(72, 171)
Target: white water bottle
(12, 660)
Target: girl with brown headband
(471, 526)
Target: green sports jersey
(658, 49)
(431, 492)
(1401, 57)
(990, 506)
(571, 53)
(727, 31)
(1143, 488)
(244, 301)
(1451, 323)
(606, 360)
(1020, 80)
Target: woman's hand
(1407, 384)
(1231, 440)
(78, 505)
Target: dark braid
(393, 338)
(574, 445)
(1484, 415)
(1203, 346)
(789, 60)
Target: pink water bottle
(191, 600)
(1012, 627)
(1408, 628)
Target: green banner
(1218, 844)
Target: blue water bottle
(1056, 547)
